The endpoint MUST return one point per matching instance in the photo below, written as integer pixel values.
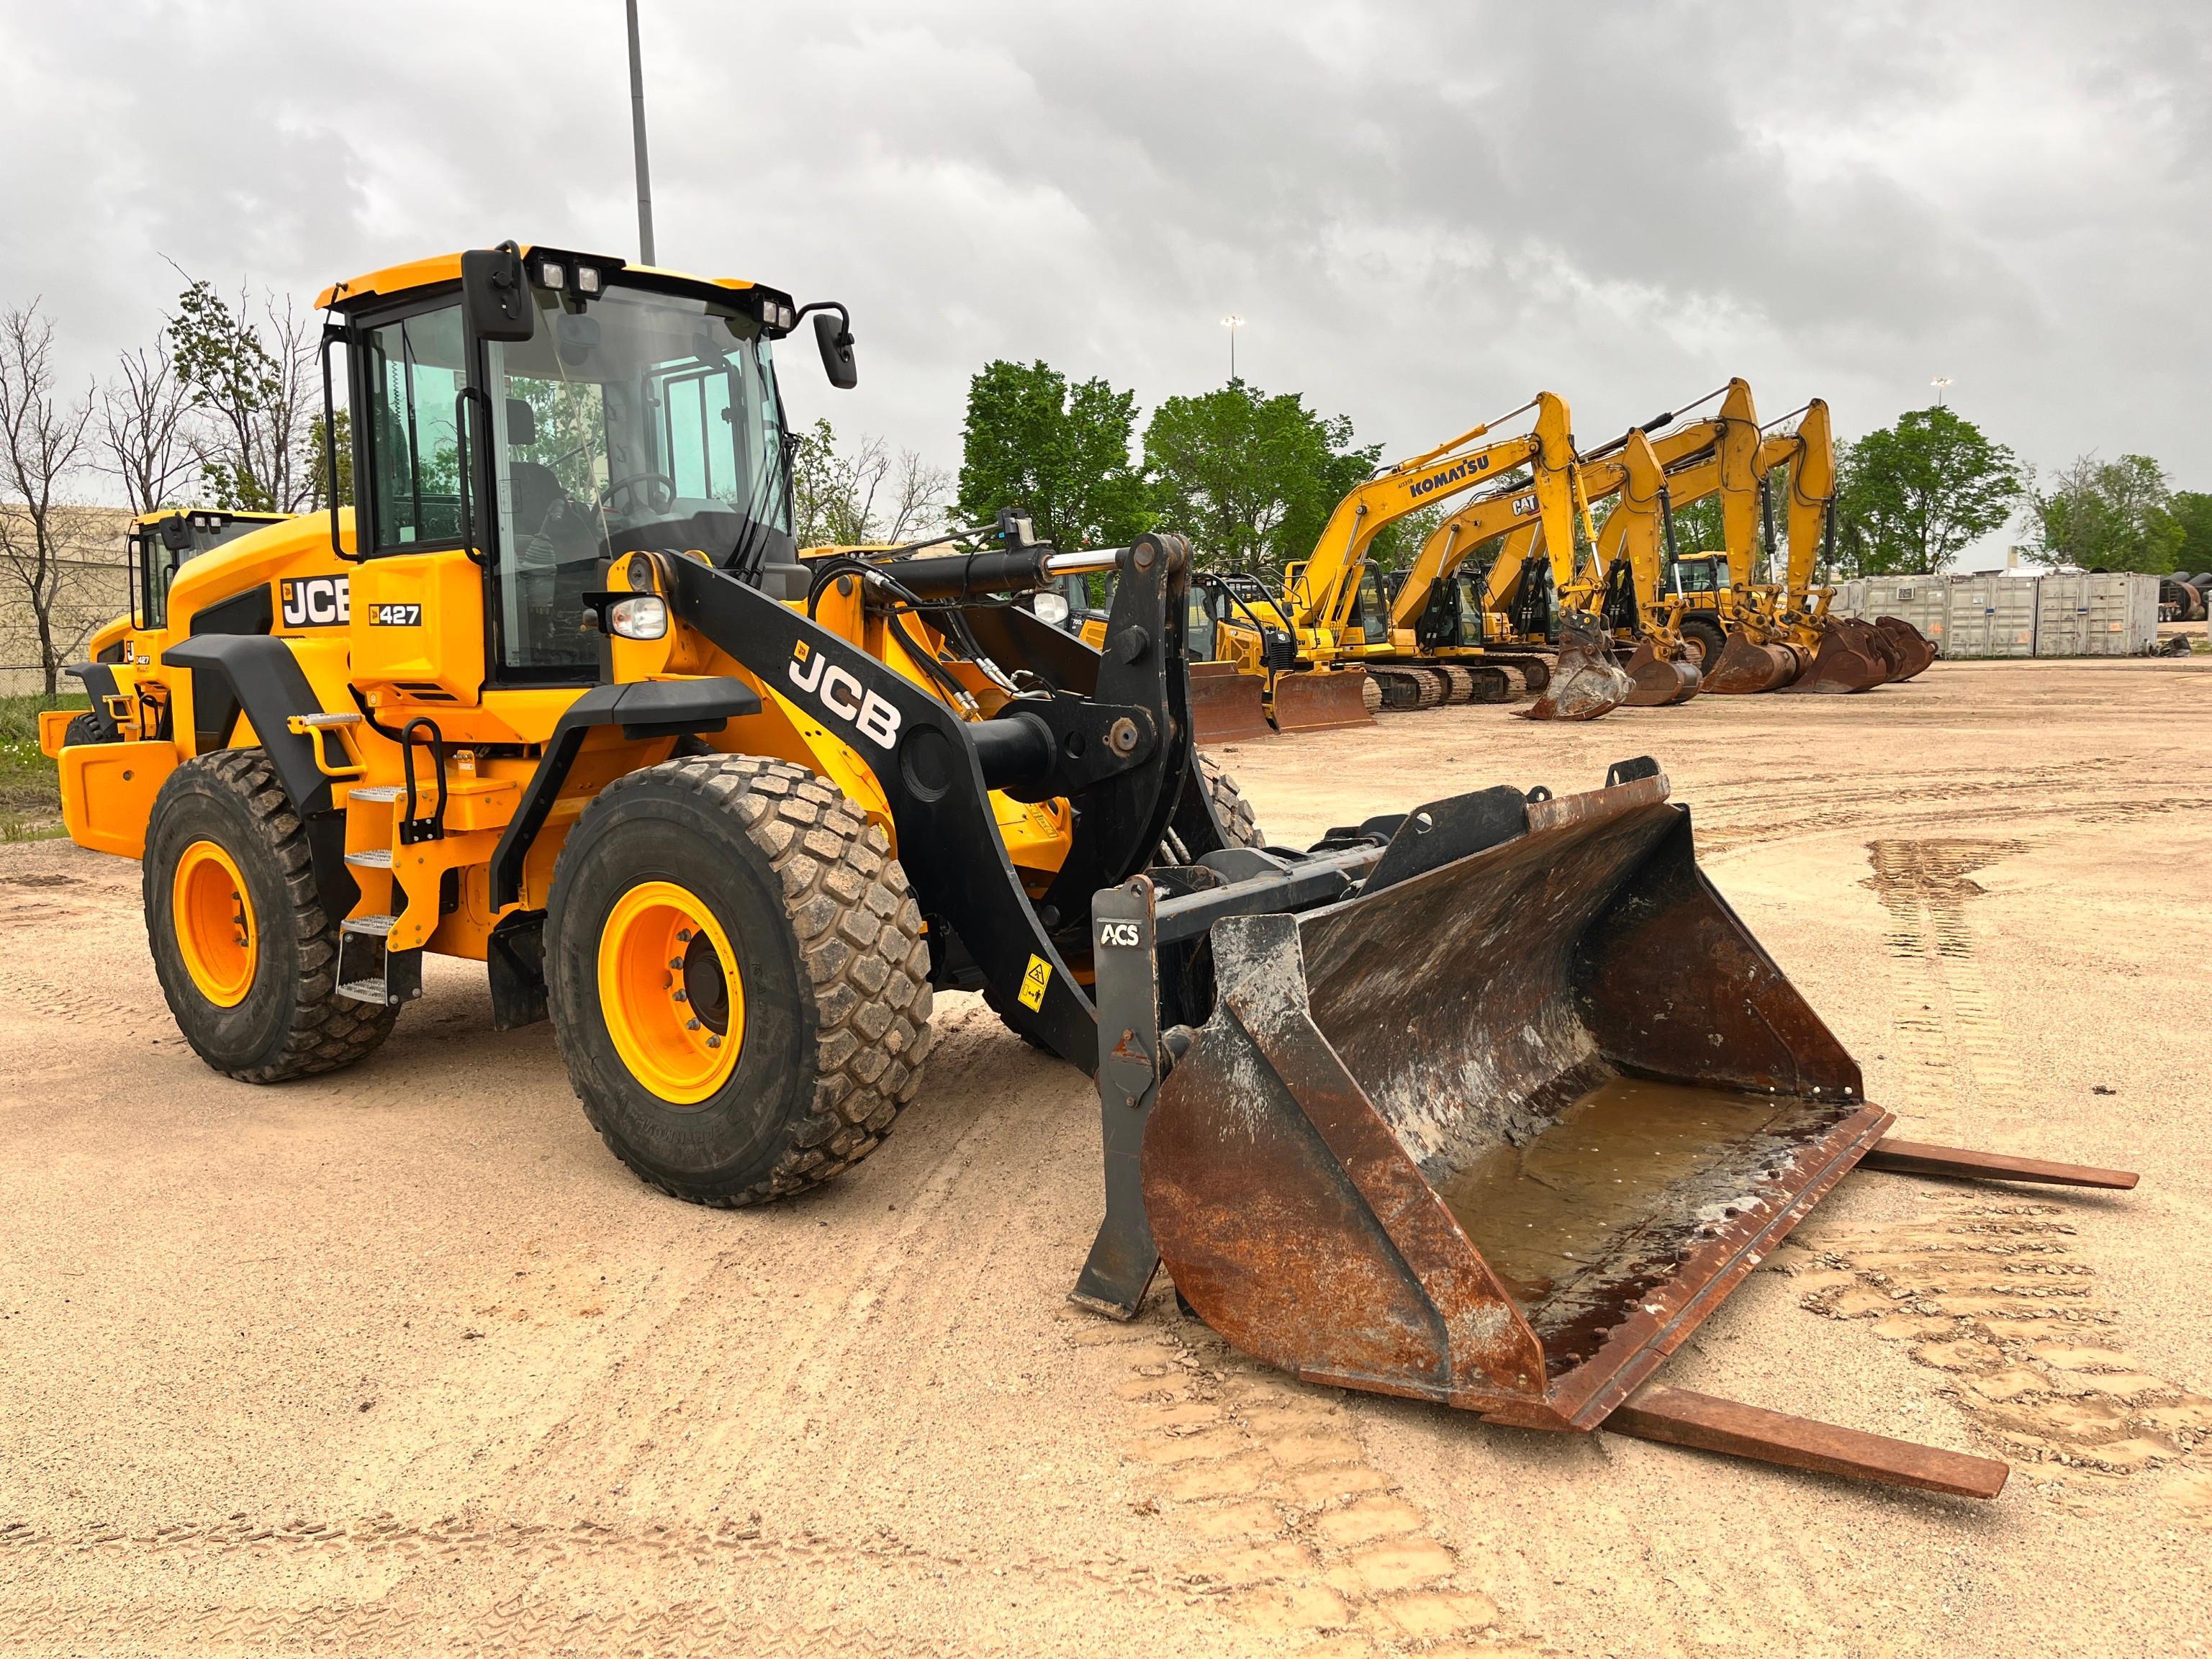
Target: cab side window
(414, 372)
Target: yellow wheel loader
(1489, 1103)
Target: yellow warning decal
(1034, 980)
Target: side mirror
(833, 333)
(495, 299)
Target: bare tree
(44, 441)
(258, 394)
(144, 426)
(861, 495)
(921, 495)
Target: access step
(369, 971)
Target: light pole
(637, 141)
(1232, 323)
(1942, 383)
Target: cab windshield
(637, 420)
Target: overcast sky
(1426, 213)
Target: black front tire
(291, 1022)
(88, 727)
(832, 965)
(1705, 639)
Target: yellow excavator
(1489, 1103)
(1757, 635)
(1327, 599)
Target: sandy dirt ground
(401, 1361)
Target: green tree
(1252, 479)
(2192, 511)
(1909, 496)
(256, 387)
(1057, 450)
(2108, 515)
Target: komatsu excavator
(1490, 1102)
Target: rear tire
(262, 1004)
(827, 1002)
(87, 727)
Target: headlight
(1050, 608)
(641, 616)
(587, 279)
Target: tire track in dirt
(1990, 1293)
(1946, 1021)
(1296, 1534)
(464, 1587)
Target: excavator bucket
(1226, 706)
(1320, 699)
(1747, 666)
(1585, 682)
(1852, 657)
(1656, 681)
(1500, 1131)
(1914, 650)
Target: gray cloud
(1425, 212)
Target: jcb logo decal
(315, 601)
(844, 696)
(1038, 975)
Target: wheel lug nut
(713, 1043)
(683, 996)
(690, 1024)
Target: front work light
(1050, 608)
(587, 279)
(641, 616)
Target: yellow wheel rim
(215, 923)
(670, 993)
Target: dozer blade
(1502, 1129)
(1320, 699)
(1586, 682)
(1850, 659)
(1225, 706)
(1746, 667)
(1914, 650)
(1655, 682)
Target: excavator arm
(1322, 595)
(1548, 451)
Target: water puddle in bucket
(1583, 1220)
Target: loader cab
(1701, 574)
(158, 544)
(607, 412)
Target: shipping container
(1990, 615)
(1924, 601)
(2111, 614)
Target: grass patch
(30, 784)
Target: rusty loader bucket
(1586, 679)
(1318, 699)
(1497, 1127)
(1226, 706)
